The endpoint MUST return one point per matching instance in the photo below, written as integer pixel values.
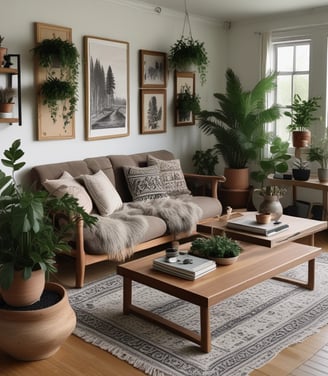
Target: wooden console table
(312, 183)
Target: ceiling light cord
(186, 22)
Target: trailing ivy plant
(61, 59)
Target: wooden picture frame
(153, 111)
(153, 71)
(47, 129)
(183, 81)
(106, 105)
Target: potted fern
(28, 235)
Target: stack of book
(187, 266)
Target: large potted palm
(239, 126)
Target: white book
(191, 271)
(248, 223)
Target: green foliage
(188, 102)
(7, 95)
(215, 246)
(187, 51)
(239, 124)
(300, 164)
(301, 113)
(319, 153)
(61, 59)
(28, 235)
(205, 161)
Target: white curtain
(266, 53)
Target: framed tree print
(152, 69)
(153, 111)
(106, 88)
(186, 101)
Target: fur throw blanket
(118, 233)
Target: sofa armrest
(213, 180)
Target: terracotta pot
(37, 334)
(6, 110)
(301, 139)
(236, 198)
(272, 205)
(24, 292)
(263, 218)
(237, 178)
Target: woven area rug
(248, 329)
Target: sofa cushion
(210, 206)
(67, 184)
(171, 175)
(144, 183)
(103, 193)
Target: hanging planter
(187, 51)
(61, 59)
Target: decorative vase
(323, 175)
(34, 334)
(24, 292)
(272, 205)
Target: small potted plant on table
(222, 249)
(319, 153)
(301, 170)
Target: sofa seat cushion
(211, 207)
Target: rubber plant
(60, 88)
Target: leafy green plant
(205, 161)
(277, 162)
(239, 124)
(61, 59)
(216, 246)
(301, 113)
(28, 235)
(187, 102)
(300, 164)
(7, 95)
(319, 153)
(187, 51)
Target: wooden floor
(76, 357)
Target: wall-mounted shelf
(10, 74)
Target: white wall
(121, 20)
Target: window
(292, 64)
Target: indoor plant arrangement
(28, 235)
(187, 51)
(187, 102)
(239, 125)
(301, 169)
(319, 153)
(61, 60)
(221, 248)
(7, 95)
(301, 115)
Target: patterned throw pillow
(103, 193)
(171, 175)
(67, 184)
(144, 183)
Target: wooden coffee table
(256, 264)
(300, 229)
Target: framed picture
(152, 69)
(153, 111)
(184, 87)
(106, 88)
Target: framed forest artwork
(106, 88)
(152, 69)
(153, 111)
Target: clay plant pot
(236, 178)
(6, 110)
(34, 334)
(323, 175)
(263, 218)
(301, 139)
(24, 292)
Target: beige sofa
(117, 168)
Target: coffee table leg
(205, 329)
(127, 294)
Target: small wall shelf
(10, 73)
